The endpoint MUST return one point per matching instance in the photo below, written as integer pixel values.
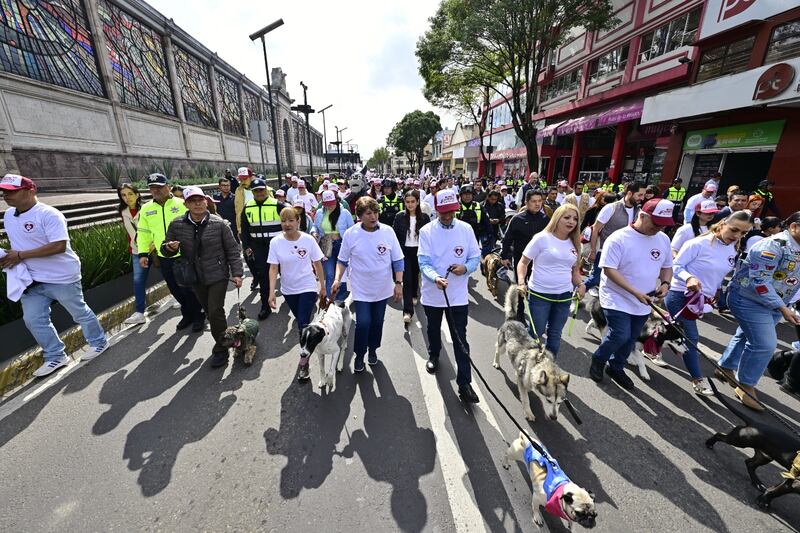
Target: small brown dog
(489, 267)
(242, 338)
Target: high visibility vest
(620, 188)
(609, 187)
(766, 195)
(509, 182)
(390, 204)
(154, 219)
(542, 184)
(264, 219)
(464, 210)
(676, 194)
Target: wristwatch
(398, 282)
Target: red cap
(329, 198)
(660, 211)
(15, 182)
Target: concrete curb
(19, 370)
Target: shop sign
(743, 136)
(722, 15)
(774, 81)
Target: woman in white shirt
(703, 214)
(701, 265)
(130, 203)
(375, 260)
(555, 274)
(406, 226)
(298, 259)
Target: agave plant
(112, 173)
(167, 168)
(133, 174)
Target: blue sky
(357, 55)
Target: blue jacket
(555, 476)
(343, 224)
(770, 272)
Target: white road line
(466, 516)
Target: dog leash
(574, 298)
(674, 325)
(457, 338)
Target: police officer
(390, 203)
(261, 222)
(676, 193)
(154, 219)
(769, 198)
(471, 212)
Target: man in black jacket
(495, 212)
(225, 204)
(523, 227)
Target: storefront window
(726, 59)
(670, 36)
(562, 85)
(784, 43)
(613, 61)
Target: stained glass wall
(251, 112)
(268, 118)
(231, 105)
(137, 59)
(49, 41)
(198, 100)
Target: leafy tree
(379, 158)
(412, 133)
(502, 46)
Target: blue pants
(139, 283)
(593, 279)
(329, 268)
(190, 306)
(369, 327)
(36, 302)
(691, 359)
(549, 318)
(619, 339)
(458, 328)
(751, 348)
(302, 306)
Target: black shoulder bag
(185, 268)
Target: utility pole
(306, 110)
(260, 35)
(325, 136)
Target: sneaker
(135, 319)
(91, 353)
(302, 372)
(219, 359)
(596, 370)
(254, 286)
(50, 367)
(183, 324)
(264, 313)
(358, 364)
(372, 359)
(621, 378)
(700, 389)
(657, 359)
(467, 394)
(406, 318)
(415, 301)
(175, 305)
(796, 345)
(199, 325)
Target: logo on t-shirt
(459, 251)
(382, 249)
(791, 282)
(731, 260)
(28, 227)
(302, 252)
(655, 254)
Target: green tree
(379, 159)
(412, 133)
(502, 46)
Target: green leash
(574, 298)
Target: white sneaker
(135, 319)
(657, 359)
(176, 305)
(91, 353)
(50, 367)
(796, 345)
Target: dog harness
(554, 481)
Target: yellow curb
(17, 372)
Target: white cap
(708, 206)
(244, 171)
(299, 203)
(280, 192)
(446, 201)
(333, 187)
(329, 198)
(192, 190)
(301, 183)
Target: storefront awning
(614, 115)
(548, 130)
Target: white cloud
(357, 55)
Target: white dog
(327, 335)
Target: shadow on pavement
(399, 452)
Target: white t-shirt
(370, 255)
(553, 260)
(685, 233)
(705, 258)
(309, 201)
(639, 259)
(36, 227)
(508, 200)
(291, 194)
(691, 203)
(447, 247)
(411, 237)
(560, 198)
(295, 259)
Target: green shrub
(167, 168)
(112, 173)
(103, 251)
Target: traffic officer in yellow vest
(676, 193)
(390, 203)
(154, 219)
(471, 212)
(261, 222)
(769, 199)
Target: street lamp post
(306, 110)
(490, 149)
(325, 136)
(339, 145)
(260, 35)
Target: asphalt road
(148, 437)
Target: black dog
(770, 444)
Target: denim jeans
(329, 268)
(36, 302)
(139, 283)
(751, 347)
(675, 301)
(593, 279)
(620, 337)
(458, 328)
(190, 307)
(549, 317)
(369, 327)
(302, 306)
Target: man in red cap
(39, 239)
